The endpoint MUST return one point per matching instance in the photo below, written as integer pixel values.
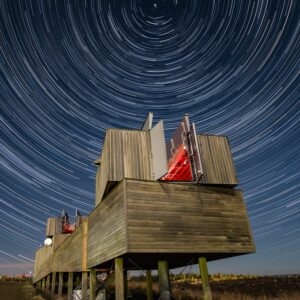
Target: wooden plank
(125, 154)
(218, 167)
(176, 218)
(107, 228)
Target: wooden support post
(70, 285)
(93, 281)
(164, 280)
(48, 280)
(119, 279)
(149, 285)
(204, 278)
(39, 285)
(125, 285)
(53, 284)
(60, 283)
(43, 284)
(84, 282)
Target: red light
(179, 166)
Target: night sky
(70, 69)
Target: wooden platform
(145, 221)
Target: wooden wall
(181, 218)
(125, 154)
(43, 263)
(69, 256)
(218, 167)
(107, 228)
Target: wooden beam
(164, 280)
(119, 279)
(204, 279)
(53, 284)
(70, 285)
(60, 283)
(149, 285)
(84, 282)
(93, 281)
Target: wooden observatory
(155, 201)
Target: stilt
(204, 278)
(93, 281)
(53, 284)
(149, 285)
(125, 285)
(43, 284)
(70, 285)
(48, 280)
(39, 285)
(164, 280)
(119, 279)
(60, 283)
(84, 282)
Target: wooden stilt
(53, 283)
(84, 282)
(149, 285)
(164, 280)
(125, 285)
(60, 283)
(70, 285)
(48, 280)
(93, 281)
(39, 285)
(119, 279)
(204, 278)
(43, 284)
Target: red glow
(179, 166)
(69, 228)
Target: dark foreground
(261, 288)
(11, 290)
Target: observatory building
(158, 205)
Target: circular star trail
(71, 69)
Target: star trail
(71, 69)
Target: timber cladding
(178, 218)
(218, 167)
(107, 228)
(125, 154)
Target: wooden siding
(125, 154)
(107, 228)
(43, 263)
(54, 226)
(66, 257)
(216, 158)
(181, 218)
